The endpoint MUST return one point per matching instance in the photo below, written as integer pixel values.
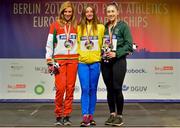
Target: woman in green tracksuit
(90, 34)
(117, 45)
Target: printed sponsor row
(39, 89)
(164, 69)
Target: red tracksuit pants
(65, 85)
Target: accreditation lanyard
(88, 33)
(67, 32)
(111, 31)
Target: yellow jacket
(93, 53)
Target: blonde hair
(61, 18)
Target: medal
(89, 44)
(68, 43)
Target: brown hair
(61, 18)
(83, 21)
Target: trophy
(107, 47)
(53, 68)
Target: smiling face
(112, 13)
(89, 13)
(68, 13)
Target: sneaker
(66, 121)
(59, 121)
(92, 122)
(118, 121)
(110, 120)
(85, 122)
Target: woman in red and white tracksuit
(61, 48)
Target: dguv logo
(136, 71)
(138, 88)
(134, 88)
(125, 87)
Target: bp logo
(39, 89)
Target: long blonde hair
(61, 18)
(83, 21)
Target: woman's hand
(111, 54)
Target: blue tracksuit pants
(88, 76)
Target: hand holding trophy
(106, 49)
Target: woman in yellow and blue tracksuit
(90, 34)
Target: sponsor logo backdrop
(146, 80)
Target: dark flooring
(135, 115)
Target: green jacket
(124, 38)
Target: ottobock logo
(136, 71)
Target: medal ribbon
(88, 33)
(111, 31)
(67, 32)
